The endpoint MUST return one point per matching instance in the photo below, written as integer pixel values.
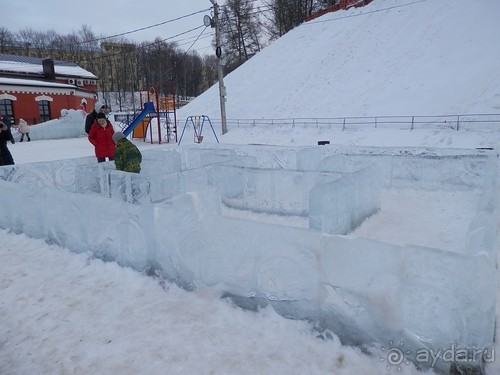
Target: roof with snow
(30, 82)
(13, 64)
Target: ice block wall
(338, 207)
(365, 291)
(276, 191)
(430, 169)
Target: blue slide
(148, 108)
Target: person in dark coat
(99, 107)
(5, 136)
(128, 158)
(101, 136)
(5, 120)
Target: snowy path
(426, 218)
(437, 219)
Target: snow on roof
(33, 65)
(33, 82)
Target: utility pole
(218, 53)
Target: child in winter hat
(98, 106)
(117, 136)
(101, 119)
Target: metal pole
(157, 118)
(218, 53)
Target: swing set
(197, 122)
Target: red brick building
(38, 89)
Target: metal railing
(469, 122)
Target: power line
(142, 47)
(196, 40)
(162, 23)
(206, 36)
(136, 30)
(259, 10)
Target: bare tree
(241, 32)
(287, 14)
(326, 3)
(6, 39)
(209, 71)
(24, 38)
(122, 66)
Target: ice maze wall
(169, 218)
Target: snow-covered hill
(391, 57)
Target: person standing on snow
(101, 136)
(83, 105)
(24, 129)
(5, 120)
(99, 107)
(5, 136)
(128, 158)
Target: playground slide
(148, 108)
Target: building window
(6, 109)
(44, 110)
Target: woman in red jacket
(101, 136)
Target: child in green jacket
(128, 158)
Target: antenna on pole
(215, 23)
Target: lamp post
(218, 52)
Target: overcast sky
(111, 17)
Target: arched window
(44, 110)
(44, 107)
(6, 109)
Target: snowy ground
(68, 314)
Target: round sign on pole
(218, 52)
(207, 21)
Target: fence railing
(469, 122)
